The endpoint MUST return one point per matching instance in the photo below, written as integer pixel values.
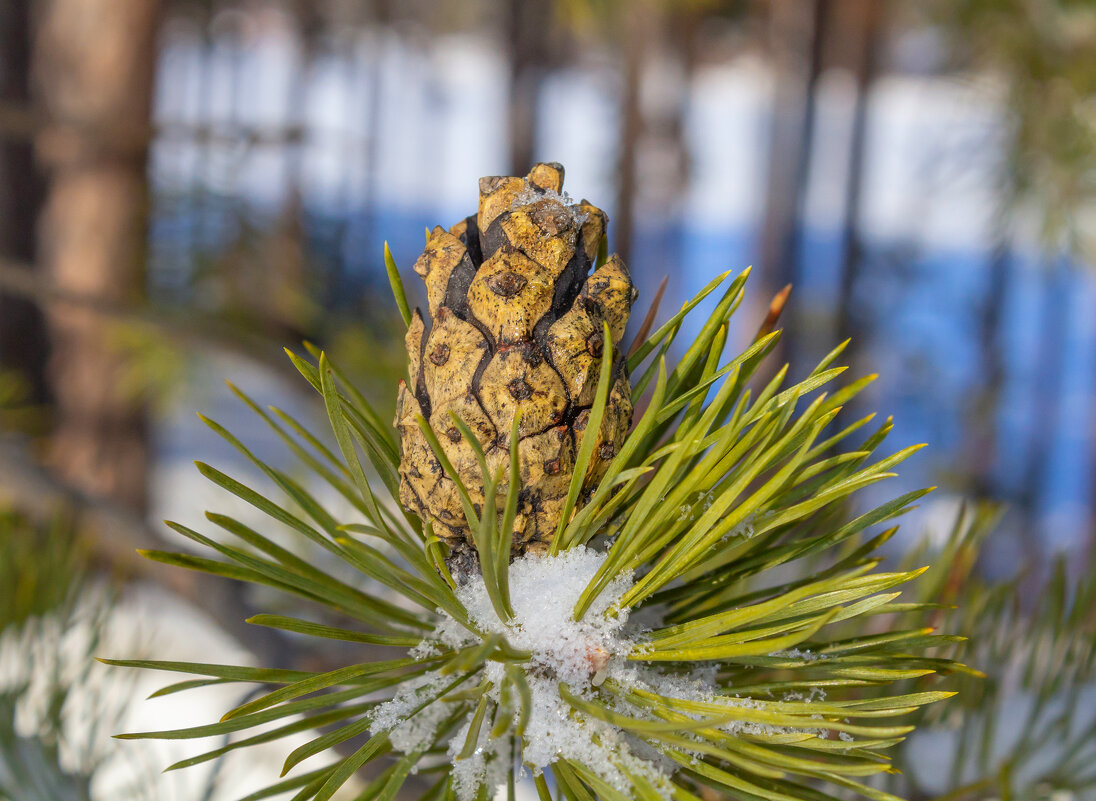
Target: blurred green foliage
(42, 566)
(42, 571)
(16, 412)
(1044, 51)
(1027, 730)
(30, 767)
(58, 706)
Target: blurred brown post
(528, 34)
(23, 344)
(640, 29)
(93, 69)
(860, 45)
(797, 35)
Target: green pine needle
(778, 664)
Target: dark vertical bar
(852, 244)
(527, 37)
(798, 27)
(24, 344)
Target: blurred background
(186, 186)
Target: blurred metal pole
(23, 342)
(94, 64)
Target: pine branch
(706, 613)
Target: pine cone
(515, 324)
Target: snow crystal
(750, 525)
(699, 686)
(543, 593)
(796, 653)
(419, 730)
(745, 529)
(488, 764)
(556, 731)
(409, 732)
(424, 649)
(535, 194)
(705, 500)
(815, 694)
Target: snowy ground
(145, 622)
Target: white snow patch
(556, 731)
(488, 764)
(407, 731)
(582, 654)
(543, 593)
(419, 730)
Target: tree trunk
(640, 26)
(863, 47)
(94, 64)
(527, 33)
(23, 341)
(798, 34)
